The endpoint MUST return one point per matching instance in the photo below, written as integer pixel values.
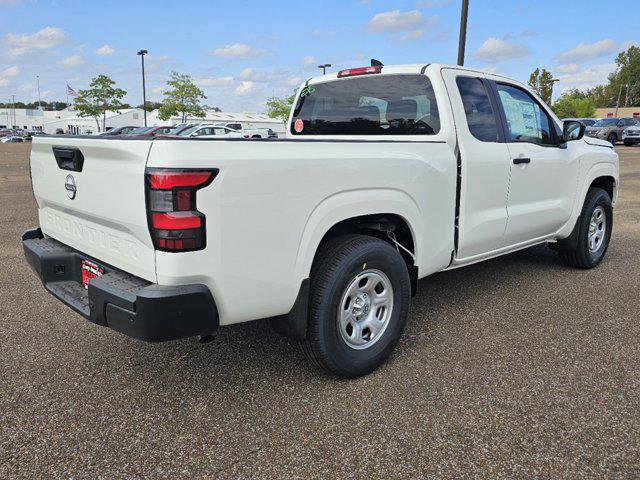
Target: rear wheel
(589, 241)
(612, 138)
(359, 300)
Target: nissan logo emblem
(70, 187)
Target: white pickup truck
(388, 175)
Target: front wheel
(359, 301)
(612, 138)
(592, 232)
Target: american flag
(71, 91)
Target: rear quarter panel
(273, 201)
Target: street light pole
(324, 67)
(553, 81)
(142, 53)
(463, 31)
(38, 84)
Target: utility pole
(553, 82)
(618, 101)
(142, 53)
(463, 31)
(13, 105)
(38, 84)
(324, 67)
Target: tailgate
(91, 197)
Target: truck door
(484, 164)
(543, 178)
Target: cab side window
(481, 118)
(526, 119)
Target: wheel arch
(602, 175)
(355, 212)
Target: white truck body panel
(273, 201)
(107, 219)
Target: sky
(242, 52)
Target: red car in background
(150, 131)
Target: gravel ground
(513, 368)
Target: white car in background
(208, 131)
(248, 132)
(631, 135)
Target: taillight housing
(175, 223)
(353, 72)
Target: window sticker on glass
(307, 91)
(523, 121)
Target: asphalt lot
(514, 368)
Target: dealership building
(68, 120)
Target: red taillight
(166, 179)
(352, 72)
(174, 222)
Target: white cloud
(45, 39)
(163, 58)
(156, 90)
(238, 50)
(567, 68)
(495, 50)
(395, 21)
(106, 50)
(411, 36)
(295, 81)
(71, 62)
(245, 88)
(311, 60)
(10, 72)
(590, 76)
(214, 81)
(589, 51)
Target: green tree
(183, 97)
(542, 83)
(150, 106)
(100, 97)
(280, 107)
(575, 104)
(625, 81)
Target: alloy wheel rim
(365, 309)
(597, 229)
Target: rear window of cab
(368, 105)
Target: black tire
(575, 250)
(612, 138)
(338, 263)
(628, 144)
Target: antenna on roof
(376, 63)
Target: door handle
(521, 160)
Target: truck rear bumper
(118, 300)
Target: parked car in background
(587, 122)
(210, 131)
(389, 174)
(246, 131)
(150, 131)
(610, 129)
(631, 135)
(12, 139)
(178, 129)
(119, 131)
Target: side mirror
(572, 130)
